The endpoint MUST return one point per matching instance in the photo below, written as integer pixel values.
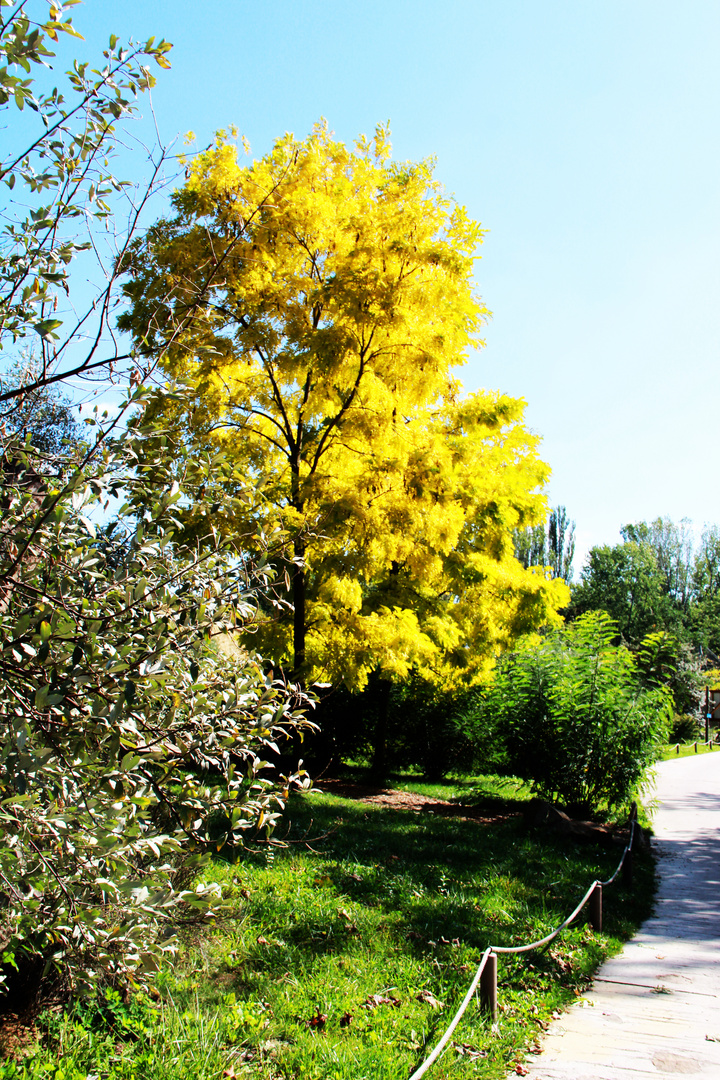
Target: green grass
(679, 750)
(485, 789)
(333, 950)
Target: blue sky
(584, 136)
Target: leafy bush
(436, 728)
(124, 730)
(685, 728)
(126, 733)
(573, 716)
(663, 660)
(427, 727)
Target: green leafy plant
(125, 727)
(56, 184)
(118, 704)
(573, 715)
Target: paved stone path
(654, 1010)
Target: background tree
(45, 416)
(624, 582)
(336, 298)
(659, 591)
(672, 545)
(553, 547)
(704, 615)
(656, 579)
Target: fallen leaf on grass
(318, 1021)
(521, 1070)
(350, 926)
(373, 1000)
(346, 1019)
(429, 999)
(271, 1047)
(466, 1050)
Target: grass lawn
(343, 955)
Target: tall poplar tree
(331, 298)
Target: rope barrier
(628, 847)
(507, 949)
(454, 1022)
(552, 934)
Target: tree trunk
(379, 763)
(298, 597)
(298, 581)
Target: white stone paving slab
(654, 1010)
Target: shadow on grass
(445, 884)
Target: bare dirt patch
(406, 800)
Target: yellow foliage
(318, 302)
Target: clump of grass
(345, 954)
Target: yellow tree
(330, 298)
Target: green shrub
(685, 728)
(130, 744)
(437, 731)
(573, 716)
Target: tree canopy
(332, 299)
(57, 187)
(659, 578)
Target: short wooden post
(596, 907)
(677, 748)
(488, 987)
(627, 869)
(696, 748)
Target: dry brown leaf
(430, 999)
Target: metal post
(627, 869)
(596, 907)
(488, 987)
(696, 748)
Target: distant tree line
(657, 578)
